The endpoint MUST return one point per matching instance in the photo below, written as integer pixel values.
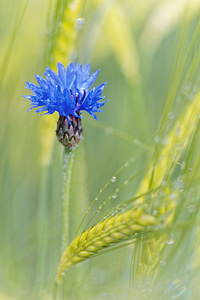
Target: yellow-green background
(136, 44)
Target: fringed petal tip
(67, 92)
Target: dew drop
(170, 240)
(114, 195)
(164, 183)
(171, 115)
(183, 165)
(157, 139)
(162, 263)
(155, 212)
(126, 182)
(113, 179)
(80, 22)
(179, 185)
(173, 195)
(127, 164)
(175, 289)
(178, 131)
(73, 55)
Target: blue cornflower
(67, 92)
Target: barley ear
(104, 234)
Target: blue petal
(34, 88)
(53, 76)
(86, 72)
(41, 81)
(66, 92)
(62, 73)
(70, 76)
(91, 80)
(40, 109)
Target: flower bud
(69, 134)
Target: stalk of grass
(178, 141)
(67, 170)
(105, 234)
(11, 42)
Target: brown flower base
(69, 135)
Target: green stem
(55, 289)
(67, 170)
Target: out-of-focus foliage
(148, 52)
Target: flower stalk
(67, 171)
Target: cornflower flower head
(68, 93)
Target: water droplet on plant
(157, 139)
(173, 196)
(80, 22)
(183, 165)
(175, 289)
(114, 195)
(73, 55)
(164, 182)
(162, 263)
(155, 212)
(170, 240)
(178, 131)
(126, 182)
(113, 179)
(179, 185)
(127, 164)
(171, 115)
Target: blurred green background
(135, 44)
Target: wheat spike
(125, 225)
(179, 135)
(105, 234)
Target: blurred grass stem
(67, 170)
